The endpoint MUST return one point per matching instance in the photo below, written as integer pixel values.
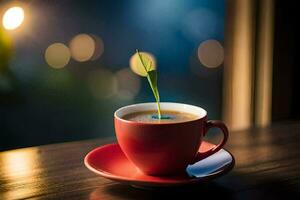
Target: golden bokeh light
(137, 66)
(57, 55)
(102, 83)
(128, 84)
(211, 53)
(82, 47)
(99, 47)
(13, 18)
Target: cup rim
(200, 116)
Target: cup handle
(211, 124)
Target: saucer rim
(165, 183)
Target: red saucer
(110, 162)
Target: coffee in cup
(163, 147)
(168, 116)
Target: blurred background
(66, 66)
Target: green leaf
(152, 79)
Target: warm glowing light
(21, 165)
(57, 55)
(99, 47)
(13, 18)
(102, 83)
(20, 162)
(82, 47)
(128, 84)
(136, 64)
(211, 53)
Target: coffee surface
(168, 116)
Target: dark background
(286, 81)
(41, 105)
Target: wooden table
(267, 165)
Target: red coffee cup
(168, 148)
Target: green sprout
(152, 78)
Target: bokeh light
(57, 55)
(211, 53)
(137, 66)
(13, 18)
(82, 47)
(99, 47)
(102, 83)
(129, 84)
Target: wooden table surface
(267, 166)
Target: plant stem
(156, 96)
(158, 109)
